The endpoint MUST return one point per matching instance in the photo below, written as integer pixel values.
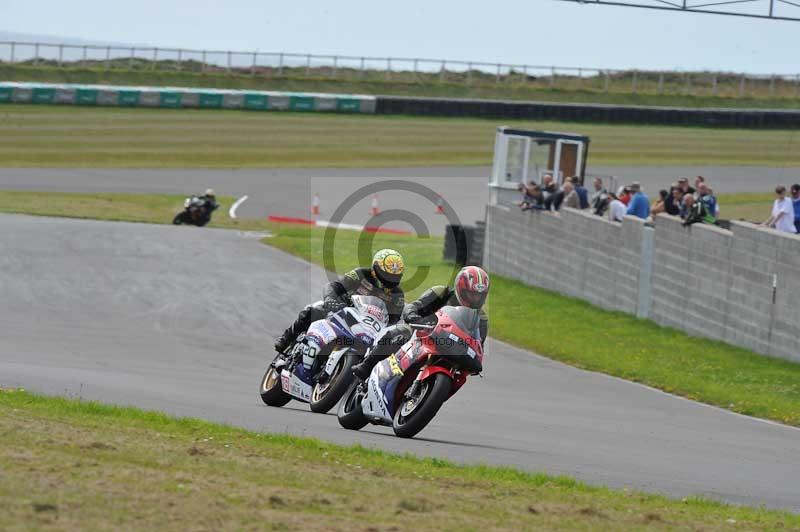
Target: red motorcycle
(407, 389)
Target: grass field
(567, 90)
(68, 464)
(48, 136)
(610, 342)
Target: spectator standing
(548, 185)
(796, 202)
(599, 199)
(672, 204)
(782, 217)
(660, 206)
(708, 200)
(532, 197)
(583, 194)
(683, 183)
(616, 209)
(639, 205)
(571, 197)
(624, 195)
(687, 202)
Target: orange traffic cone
(315, 205)
(374, 210)
(439, 205)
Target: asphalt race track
(180, 319)
(288, 192)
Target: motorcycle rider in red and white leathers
(470, 288)
(382, 280)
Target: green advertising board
(43, 95)
(210, 100)
(128, 98)
(348, 105)
(256, 101)
(301, 103)
(86, 96)
(5, 94)
(170, 99)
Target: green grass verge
(65, 136)
(559, 327)
(430, 85)
(71, 464)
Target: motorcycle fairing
(386, 377)
(294, 386)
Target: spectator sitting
(782, 217)
(796, 202)
(672, 204)
(683, 183)
(639, 205)
(571, 197)
(660, 206)
(599, 198)
(583, 194)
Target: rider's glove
(333, 305)
(412, 317)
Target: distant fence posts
(254, 63)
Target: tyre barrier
(182, 97)
(679, 116)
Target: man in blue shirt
(795, 190)
(639, 205)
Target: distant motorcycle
(195, 212)
(407, 389)
(318, 368)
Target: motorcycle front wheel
(324, 396)
(350, 414)
(414, 413)
(178, 220)
(271, 390)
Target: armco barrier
(740, 286)
(741, 118)
(180, 97)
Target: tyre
(178, 220)
(271, 391)
(325, 396)
(350, 414)
(414, 414)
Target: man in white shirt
(782, 217)
(616, 209)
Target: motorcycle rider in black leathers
(209, 205)
(470, 289)
(381, 280)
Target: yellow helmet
(388, 266)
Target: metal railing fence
(397, 69)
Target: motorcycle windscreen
(451, 343)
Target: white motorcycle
(318, 369)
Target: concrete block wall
(701, 279)
(572, 252)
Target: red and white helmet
(471, 287)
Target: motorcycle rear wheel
(350, 414)
(271, 390)
(414, 414)
(325, 396)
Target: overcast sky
(538, 32)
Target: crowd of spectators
(693, 204)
